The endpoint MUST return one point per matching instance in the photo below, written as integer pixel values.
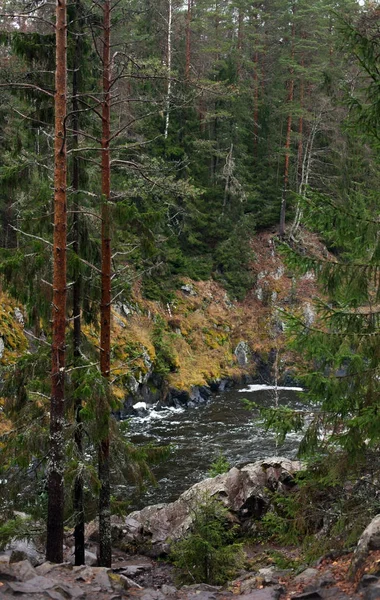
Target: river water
(198, 435)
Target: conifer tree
(105, 306)
(342, 341)
(54, 544)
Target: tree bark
(105, 556)
(54, 544)
(169, 67)
(77, 293)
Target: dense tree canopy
(189, 127)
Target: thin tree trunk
(256, 105)
(105, 556)
(288, 140)
(305, 174)
(188, 41)
(240, 43)
(77, 292)
(300, 122)
(169, 68)
(54, 543)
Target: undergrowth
(327, 510)
(209, 552)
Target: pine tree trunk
(77, 292)
(169, 67)
(54, 544)
(105, 556)
(288, 140)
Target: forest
(189, 203)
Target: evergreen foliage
(219, 466)
(343, 341)
(208, 553)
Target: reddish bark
(54, 544)
(105, 307)
(77, 293)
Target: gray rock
(248, 585)
(269, 574)
(246, 492)
(188, 290)
(372, 593)
(369, 540)
(102, 579)
(54, 595)
(42, 584)
(46, 568)
(203, 587)
(2, 347)
(306, 575)
(23, 570)
(90, 558)
(132, 570)
(366, 581)
(168, 590)
(19, 316)
(33, 586)
(242, 353)
(151, 594)
(129, 583)
(269, 593)
(24, 550)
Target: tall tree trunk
(188, 40)
(256, 105)
(105, 556)
(169, 67)
(300, 121)
(77, 292)
(54, 544)
(240, 43)
(288, 139)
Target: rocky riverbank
(200, 342)
(269, 572)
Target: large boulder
(369, 540)
(245, 492)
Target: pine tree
(54, 543)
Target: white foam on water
(140, 405)
(257, 387)
(156, 415)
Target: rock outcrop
(369, 540)
(245, 492)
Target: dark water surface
(198, 435)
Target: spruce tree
(342, 343)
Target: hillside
(200, 337)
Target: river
(197, 435)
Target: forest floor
(142, 578)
